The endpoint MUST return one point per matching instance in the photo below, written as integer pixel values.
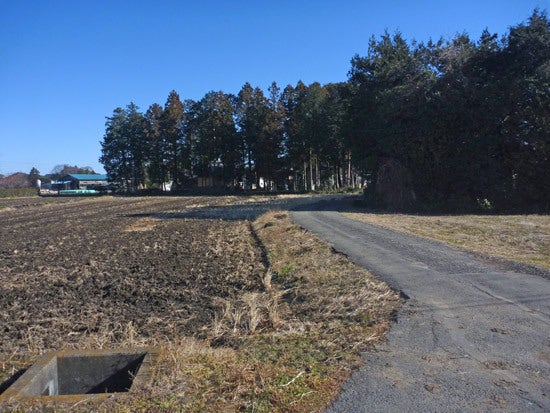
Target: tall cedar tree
(172, 135)
(157, 162)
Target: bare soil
(70, 271)
(7, 204)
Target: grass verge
(522, 238)
(286, 347)
(17, 192)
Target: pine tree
(157, 170)
(172, 135)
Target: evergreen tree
(296, 140)
(34, 176)
(247, 128)
(334, 150)
(124, 148)
(525, 120)
(172, 135)
(269, 148)
(251, 112)
(156, 147)
(115, 155)
(138, 148)
(216, 148)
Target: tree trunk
(317, 176)
(311, 184)
(304, 177)
(348, 183)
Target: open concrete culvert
(74, 375)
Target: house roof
(89, 177)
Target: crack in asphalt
(534, 313)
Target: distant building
(84, 181)
(209, 182)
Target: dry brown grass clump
(522, 238)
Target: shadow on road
(252, 210)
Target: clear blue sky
(65, 65)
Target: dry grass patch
(143, 224)
(329, 310)
(522, 238)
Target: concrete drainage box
(73, 375)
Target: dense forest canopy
(458, 125)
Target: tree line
(286, 140)
(453, 124)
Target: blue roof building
(89, 177)
(85, 181)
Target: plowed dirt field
(79, 270)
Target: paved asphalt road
(471, 337)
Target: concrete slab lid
(36, 376)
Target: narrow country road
(470, 337)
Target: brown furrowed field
(249, 315)
(96, 268)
